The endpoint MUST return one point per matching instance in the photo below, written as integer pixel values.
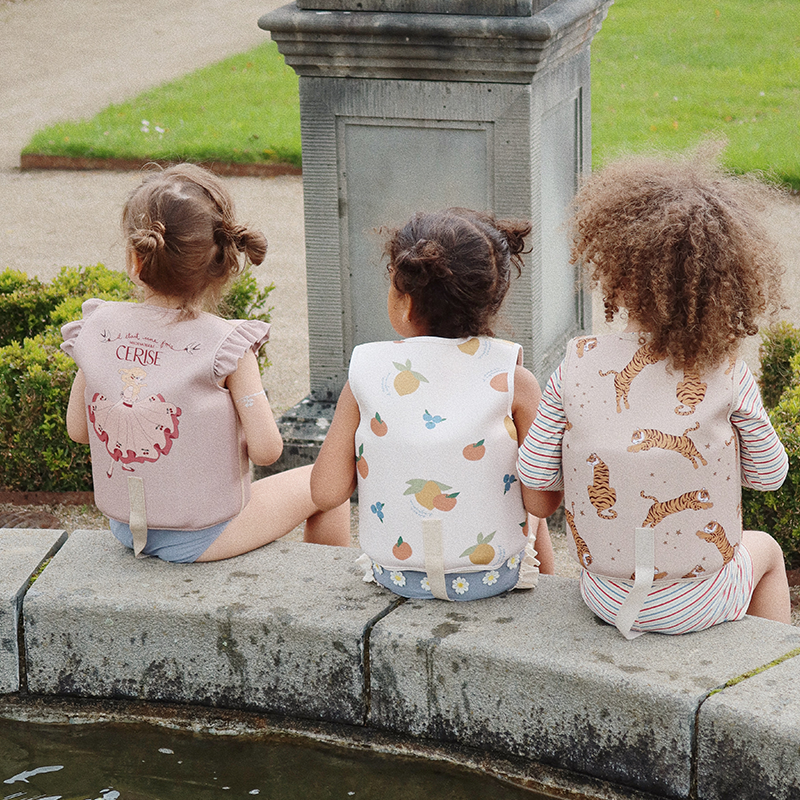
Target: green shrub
(35, 380)
(244, 300)
(779, 344)
(25, 306)
(36, 376)
(778, 512)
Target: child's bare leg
(277, 505)
(771, 589)
(544, 545)
(329, 527)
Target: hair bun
(428, 258)
(237, 234)
(149, 240)
(515, 233)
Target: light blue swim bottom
(179, 547)
(459, 586)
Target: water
(137, 761)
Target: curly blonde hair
(678, 244)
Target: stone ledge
(261, 631)
(749, 737)
(538, 675)
(292, 630)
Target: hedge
(36, 376)
(778, 512)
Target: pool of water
(138, 761)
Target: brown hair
(179, 222)
(456, 266)
(677, 243)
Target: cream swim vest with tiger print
(648, 447)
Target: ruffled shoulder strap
(248, 334)
(70, 331)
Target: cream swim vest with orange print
(653, 448)
(436, 441)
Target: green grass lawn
(665, 74)
(242, 109)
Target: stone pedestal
(416, 105)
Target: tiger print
(646, 438)
(695, 571)
(715, 533)
(622, 380)
(584, 556)
(689, 501)
(690, 392)
(585, 344)
(601, 495)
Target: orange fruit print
(482, 552)
(474, 452)
(430, 494)
(407, 381)
(361, 463)
(378, 426)
(402, 550)
(500, 382)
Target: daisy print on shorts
(398, 579)
(491, 578)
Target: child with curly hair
(430, 425)
(651, 432)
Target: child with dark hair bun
(170, 397)
(651, 432)
(428, 426)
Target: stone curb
(292, 630)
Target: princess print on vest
(134, 431)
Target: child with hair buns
(169, 396)
(429, 425)
(651, 432)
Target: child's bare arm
(264, 443)
(77, 424)
(333, 479)
(527, 395)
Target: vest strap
(434, 557)
(645, 554)
(138, 515)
